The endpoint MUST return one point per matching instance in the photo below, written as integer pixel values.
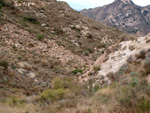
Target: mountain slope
(122, 14)
(47, 48)
(43, 39)
(121, 55)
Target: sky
(81, 4)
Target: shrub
(58, 83)
(31, 19)
(89, 35)
(125, 94)
(12, 101)
(104, 98)
(89, 50)
(40, 37)
(58, 31)
(113, 76)
(47, 94)
(96, 88)
(143, 105)
(142, 54)
(59, 93)
(123, 69)
(134, 98)
(97, 68)
(68, 82)
(130, 59)
(134, 74)
(77, 71)
(68, 103)
(4, 64)
(2, 3)
(52, 94)
(134, 82)
(73, 27)
(102, 45)
(147, 65)
(63, 83)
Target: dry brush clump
(62, 88)
(142, 54)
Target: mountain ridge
(124, 15)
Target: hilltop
(122, 14)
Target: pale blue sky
(81, 4)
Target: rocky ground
(55, 60)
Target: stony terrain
(44, 39)
(55, 60)
(122, 14)
(111, 62)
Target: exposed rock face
(122, 14)
(111, 63)
(126, 1)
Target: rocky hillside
(42, 39)
(55, 60)
(122, 14)
(124, 56)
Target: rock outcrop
(127, 53)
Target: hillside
(122, 14)
(55, 60)
(43, 39)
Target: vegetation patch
(52, 95)
(2, 3)
(31, 19)
(4, 64)
(40, 37)
(77, 71)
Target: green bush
(104, 98)
(31, 19)
(96, 88)
(102, 45)
(58, 83)
(97, 68)
(12, 101)
(4, 64)
(2, 3)
(134, 82)
(125, 94)
(47, 94)
(77, 71)
(89, 35)
(63, 83)
(134, 74)
(143, 105)
(142, 54)
(52, 94)
(40, 37)
(123, 69)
